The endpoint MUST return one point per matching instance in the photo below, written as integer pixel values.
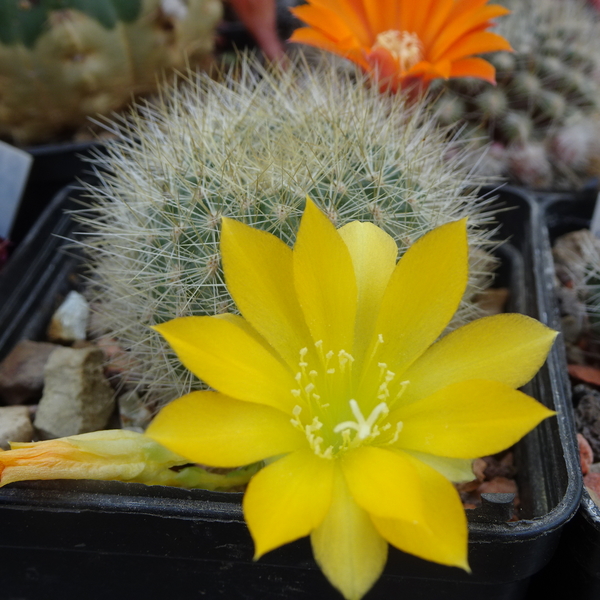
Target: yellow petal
(469, 419)
(347, 546)
(509, 348)
(374, 254)
(383, 483)
(423, 295)
(212, 429)
(443, 537)
(224, 354)
(259, 276)
(325, 282)
(288, 499)
(457, 470)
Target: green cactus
(251, 147)
(547, 97)
(62, 61)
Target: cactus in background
(252, 147)
(577, 268)
(543, 113)
(64, 60)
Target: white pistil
(362, 426)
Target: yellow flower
(405, 40)
(332, 375)
(115, 455)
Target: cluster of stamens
(337, 381)
(405, 47)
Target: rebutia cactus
(64, 60)
(252, 147)
(543, 113)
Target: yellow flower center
(405, 47)
(331, 416)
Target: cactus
(544, 109)
(252, 147)
(62, 61)
(577, 266)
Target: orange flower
(404, 41)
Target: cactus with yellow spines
(252, 146)
(62, 61)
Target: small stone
(133, 413)
(572, 328)
(15, 425)
(69, 323)
(500, 466)
(77, 397)
(586, 456)
(479, 467)
(493, 300)
(117, 360)
(587, 415)
(22, 372)
(498, 485)
(592, 483)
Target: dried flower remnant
(332, 375)
(402, 41)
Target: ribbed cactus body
(547, 97)
(63, 61)
(252, 147)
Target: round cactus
(63, 61)
(545, 108)
(252, 147)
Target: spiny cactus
(252, 147)
(543, 113)
(64, 60)
(577, 266)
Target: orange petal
(353, 14)
(437, 19)
(460, 27)
(324, 21)
(474, 67)
(382, 14)
(422, 15)
(478, 43)
(312, 37)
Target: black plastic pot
(106, 539)
(54, 166)
(575, 570)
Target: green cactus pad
(23, 21)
